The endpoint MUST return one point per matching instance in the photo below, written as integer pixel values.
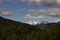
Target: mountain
(7, 25)
(36, 22)
(32, 22)
(5, 22)
(13, 30)
(10, 23)
(45, 25)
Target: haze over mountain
(13, 30)
(8, 22)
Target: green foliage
(54, 33)
(13, 30)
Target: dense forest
(13, 30)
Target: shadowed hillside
(13, 30)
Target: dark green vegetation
(13, 30)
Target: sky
(30, 10)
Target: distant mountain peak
(36, 22)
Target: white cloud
(5, 0)
(53, 3)
(57, 19)
(1, 1)
(33, 22)
(42, 13)
(6, 13)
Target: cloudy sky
(30, 10)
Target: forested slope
(13, 30)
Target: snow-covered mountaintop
(36, 22)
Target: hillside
(13, 30)
(6, 25)
(10, 28)
(45, 26)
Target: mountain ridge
(13, 30)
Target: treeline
(12, 30)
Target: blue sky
(15, 8)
